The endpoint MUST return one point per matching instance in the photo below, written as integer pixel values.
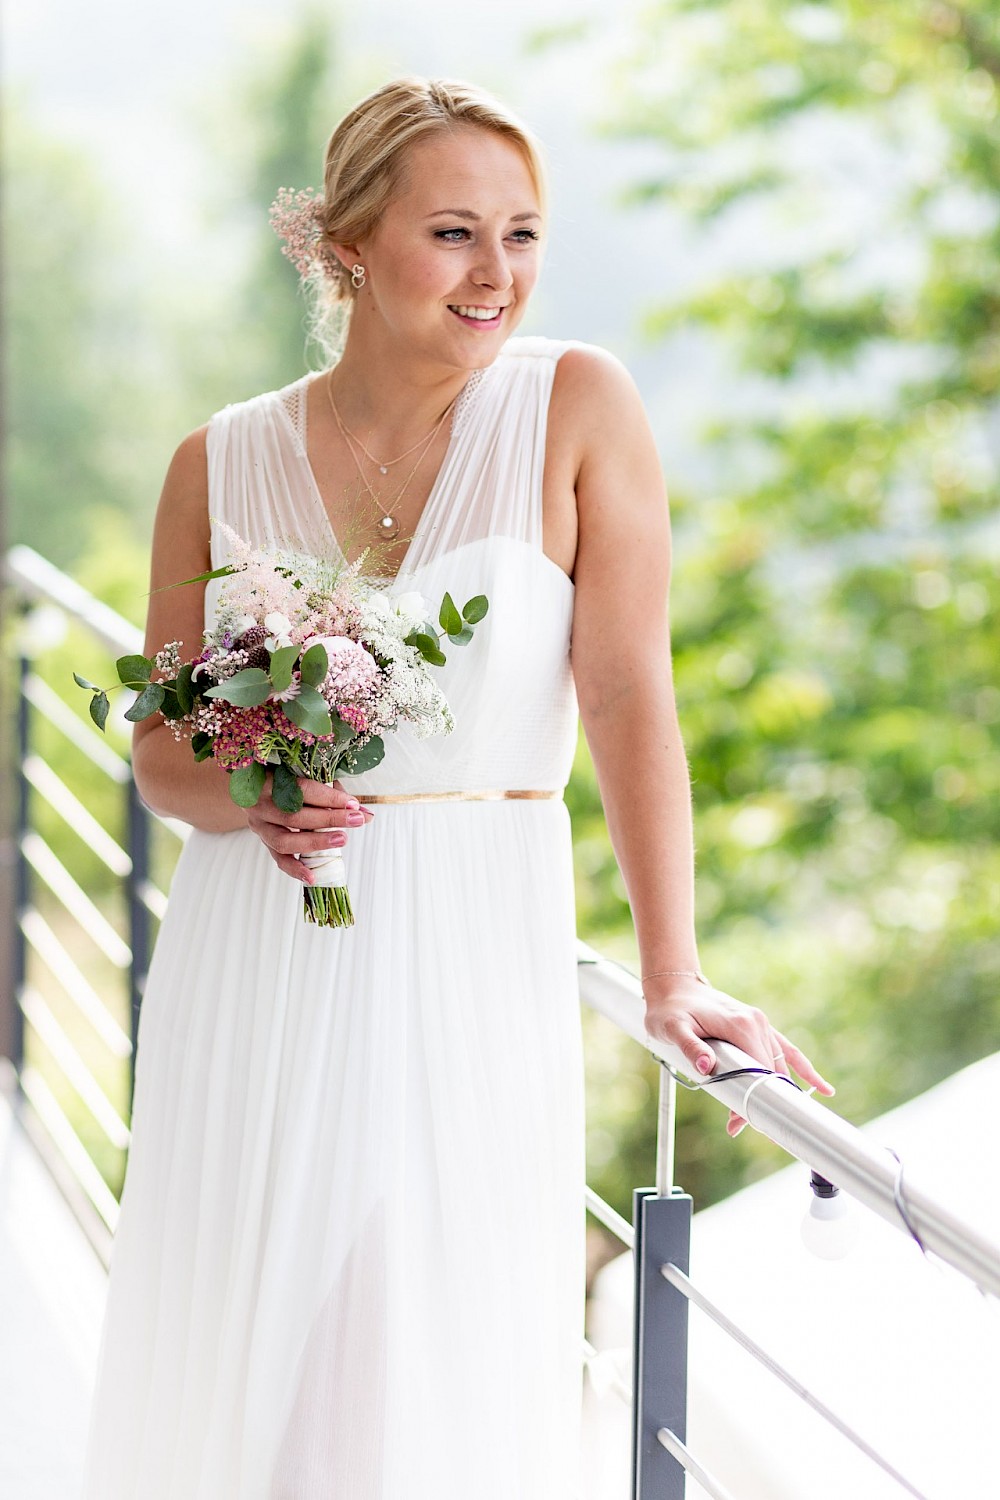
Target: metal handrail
(805, 1129)
(786, 1115)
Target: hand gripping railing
(660, 1237)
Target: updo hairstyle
(365, 162)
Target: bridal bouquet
(304, 668)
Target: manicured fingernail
(705, 1063)
(353, 803)
(355, 819)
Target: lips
(477, 317)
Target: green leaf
(449, 618)
(183, 688)
(345, 732)
(461, 637)
(309, 712)
(147, 703)
(280, 671)
(99, 706)
(246, 784)
(314, 666)
(201, 578)
(427, 646)
(286, 793)
(356, 762)
(246, 689)
(202, 744)
(82, 682)
(476, 609)
(170, 708)
(133, 670)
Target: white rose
(280, 628)
(413, 608)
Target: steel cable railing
(815, 1135)
(811, 1132)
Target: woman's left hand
(684, 1011)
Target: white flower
(328, 642)
(280, 627)
(242, 624)
(413, 609)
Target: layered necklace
(388, 523)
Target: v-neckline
(385, 579)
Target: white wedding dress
(350, 1257)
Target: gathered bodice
(511, 688)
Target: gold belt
(491, 796)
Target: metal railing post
(660, 1339)
(21, 871)
(138, 913)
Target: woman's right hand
(322, 821)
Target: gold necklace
(385, 465)
(388, 525)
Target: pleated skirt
(350, 1257)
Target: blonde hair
(365, 165)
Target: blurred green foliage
(835, 596)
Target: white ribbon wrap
(327, 866)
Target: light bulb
(829, 1229)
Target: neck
(393, 395)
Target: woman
(350, 1255)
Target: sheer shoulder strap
(257, 475)
(495, 476)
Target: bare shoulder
(592, 384)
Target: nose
(493, 269)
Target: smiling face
(454, 258)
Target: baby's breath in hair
(297, 220)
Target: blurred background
(785, 218)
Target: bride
(349, 1260)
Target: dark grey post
(138, 912)
(659, 1373)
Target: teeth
(483, 314)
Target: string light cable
(898, 1193)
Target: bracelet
(682, 973)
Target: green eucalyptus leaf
(286, 793)
(476, 609)
(99, 706)
(133, 670)
(461, 637)
(148, 701)
(280, 671)
(428, 647)
(449, 618)
(170, 708)
(82, 682)
(246, 784)
(202, 744)
(246, 689)
(356, 762)
(183, 688)
(314, 666)
(309, 712)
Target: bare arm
(624, 682)
(168, 778)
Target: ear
(348, 255)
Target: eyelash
(441, 233)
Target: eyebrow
(466, 213)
